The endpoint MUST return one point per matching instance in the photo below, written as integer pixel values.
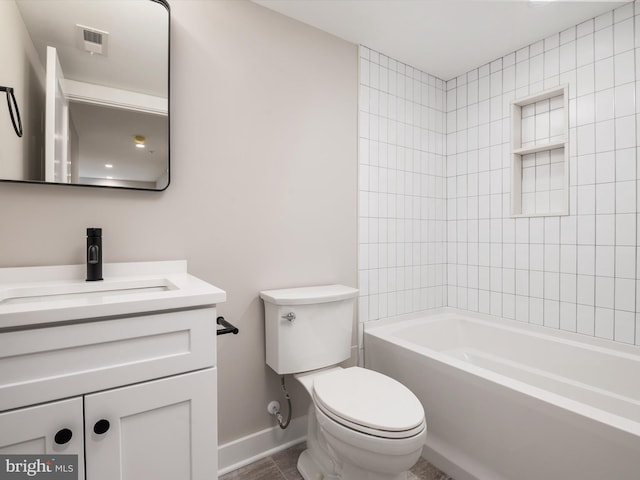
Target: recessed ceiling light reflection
(108, 165)
(139, 140)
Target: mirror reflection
(90, 80)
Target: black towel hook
(12, 104)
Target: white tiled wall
(542, 122)
(576, 272)
(402, 210)
(434, 187)
(543, 182)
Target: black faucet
(94, 254)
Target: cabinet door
(162, 430)
(32, 431)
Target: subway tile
(586, 260)
(605, 261)
(585, 50)
(551, 286)
(626, 197)
(605, 229)
(603, 41)
(567, 35)
(536, 68)
(625, 100)
(625, 294)
(552, 230)
(522, 75)
(536, 311)
(605, 136)
(509, 60)
(551, 313)
(522, 256)
(536, 48)
(626, 229)
(536, 284)
(585, 28)
(623, 36)
(586, 202)
(586, 290)
(603, 21)
(586, 139)
(624, 12)
(508, 306)
(568, 317)
(552, 42)
(569, 78)
(522, 308)
(624, 326)
(605, 102)
(551, 258)
(585, 319)
(604, 323)
(625, 132)
(568, 285)
(586, 169)
(624, 68)
(509, 78)
(604, 72)
(568, 229)
(625, 262)
(496, 303)
(605, 167)
(536, 230)
(585, 109)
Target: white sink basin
(67, 291)
(45, 295)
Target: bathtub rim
(384, 330)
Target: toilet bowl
(362, 425)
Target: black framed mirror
(89, 80)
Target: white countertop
(45, 295)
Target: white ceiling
(136, 57)
(444, 38)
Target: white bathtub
(506, 400)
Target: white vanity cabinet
(133, 395)
(32, 430)
(161, 430)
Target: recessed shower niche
(540, 154)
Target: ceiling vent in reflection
(92, 40)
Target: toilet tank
(309, 327)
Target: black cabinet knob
(101, 426)
(63, 436)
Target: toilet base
(310, 470)
(308, 467)
(321, 462)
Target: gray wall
(263, 190)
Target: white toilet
(362, 425)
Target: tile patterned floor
(282, 466)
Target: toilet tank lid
(308, 295)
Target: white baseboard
(256, 446)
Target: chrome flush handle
(289, 316)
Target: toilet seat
(369, 402)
